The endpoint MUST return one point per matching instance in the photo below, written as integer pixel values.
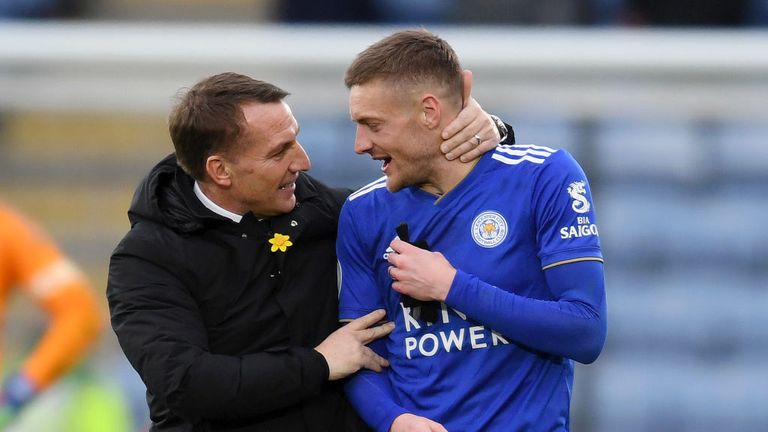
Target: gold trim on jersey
(571, 261)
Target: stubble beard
(417, 173)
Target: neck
(447, 174)
(216, 195)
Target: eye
(282, 151)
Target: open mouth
(385, 163)
(289, 185)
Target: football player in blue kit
(491, 270)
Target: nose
(362, 143)
(300, 159)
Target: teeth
(286, 186)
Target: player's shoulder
(369, 192)
(528, 159)
(524, 155)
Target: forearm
(231, 387)
(75, 323)
(195, 383)
(573, 325)
(162, 334)
(372, 397)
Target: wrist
(322, 363)
(446, 286)
(458, 291)
(501, 127)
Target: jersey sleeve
(369, 392)
(564, 213)
(358, 293)
(573, 324)
(58, 286)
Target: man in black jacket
(223, 293)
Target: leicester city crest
(489, 229)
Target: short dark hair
(408, 57)
(208, 117)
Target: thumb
(466, 86)
(463, 119)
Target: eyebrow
(364, 119)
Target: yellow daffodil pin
(280, 242)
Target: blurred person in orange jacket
(31, 262)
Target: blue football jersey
(520, 211)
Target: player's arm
(74, 322)
(571, 325)
(58, 286)
(572, 321)
(371, 395)
(369, 392)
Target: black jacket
(220, 329)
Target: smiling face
(390, 129)
(263, 167)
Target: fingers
(466, 140)
(486, 146)
(374, 361)
(396, 273)
(396, 284)
(490, 139)
(390, 269)
(467, 151)
(366, 321)
(400, 246)
(393, 259)
(458, 130)
(402, 251)
(399, 287)
(372, 364)
(377, 332)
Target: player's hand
(472, 121)
(413, 423)
(17, 392)
(419, 273)
(345, 351)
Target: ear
(218, 171)
(431, 109)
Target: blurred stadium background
(664, 103)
